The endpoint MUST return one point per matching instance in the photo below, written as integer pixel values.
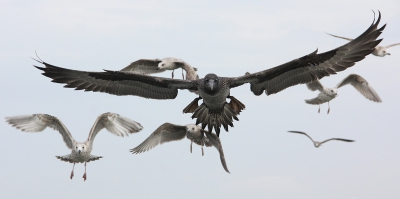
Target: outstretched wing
(299, 132)
(144, 66)
(39, 122)
(118, 82)
(216, 142)
(340, 37)
(392, 45)
(165, 133)
(340, 139)
(115, 124)
(313, 66)
(362, 86)
(315, 85)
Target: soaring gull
(215, 111)
(328, 94)
(170, 132)
(318, 144)
(379, 51)
(80, 153)
(150, 66)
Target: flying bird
(328, 94)
(81, 151)
(215, 111)
(379, 51)
(318, 144)
(168, 132)
(150, 66)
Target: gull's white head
(192, 128)
(331, 92)
(380, 51)
(163, 64)
(80, 148)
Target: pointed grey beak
(79, 151)
(211, 83)
(388, 54)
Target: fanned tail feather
(216, 118)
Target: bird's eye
(76, 147)
(83, 147)
(192, 129)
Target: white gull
(81, 151)
(328, 94)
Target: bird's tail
(216, 118)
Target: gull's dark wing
(312, 66)
(144, 66)
(340, 139)
(216, 142)
(339, 37)
(39, 122)
(118, 82)
(362, 86)
(165, 133)
(299, 132)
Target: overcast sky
(228, 38)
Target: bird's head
(211, 83)
(162, 65)
(79, 148)
(333, 92)
(192, 128)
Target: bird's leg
(72, 172)
(173, 74)
(84, 175)
(319, 107)
(183, 77)
(191, 146)
(329, 108)
(202, 151)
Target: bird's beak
(79, 151)
(211, 83)
(388, 54)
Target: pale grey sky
(227, 38)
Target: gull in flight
(150, 66)
(214, 90)
(171, 132)
(318, 144)
(81, 151)
(328, 94)
(379, 51)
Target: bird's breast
(214, 101)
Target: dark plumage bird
(170, 132)
(215, 110)
(318, 144)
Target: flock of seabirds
(213, 90)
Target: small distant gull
(318, 144)
(379, 51)
(150, 66)
(170, 132)
(80, 153)
(328, 94)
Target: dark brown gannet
(215, 111)
(328, 94)
(318, 144)
(80, 151)
(168, 132)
